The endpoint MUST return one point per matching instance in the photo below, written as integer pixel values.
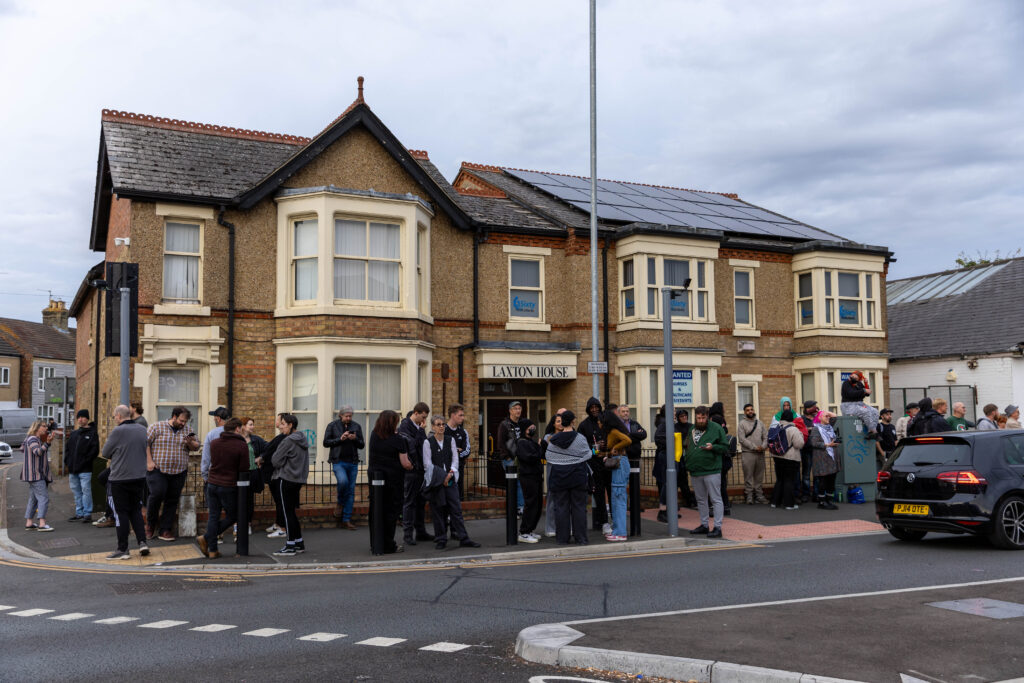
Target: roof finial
(360, 81)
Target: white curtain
(349, 238)
(385, 387)
(182, 238)
(350, 385)
(178, 386)
(349, 279)
(304, 386)
(305, 279)
(181, 272)
(305, 238)
(383, 280)
(385, 240)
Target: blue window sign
(682, 387)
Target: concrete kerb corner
(551, 644)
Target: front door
(495, 411)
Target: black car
(955, 482)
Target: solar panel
(691, 220)
(612, 213)
(616, 199)
(573, 181)
(536, 178)
(652, 216)
(652, 203)
(569, 194)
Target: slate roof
(39, 340)
(985, 318)
(145, 159)
(7, 350)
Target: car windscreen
(938, 452)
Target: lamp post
(671, 502)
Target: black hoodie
(588, 426)
(927, 421)
(81, 449)
(528, 453)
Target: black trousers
(726, 466)
(126, 500)
(412, 505)
(275, 493)
(220, 498)
(787, 472)
(393, 492)
(164, 491)
(289, 492)
(533, 485)
(570, 513)
(445, 506)
(828, 484)
(602, 494)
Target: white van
(14, 425)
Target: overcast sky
(891, 123)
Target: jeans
(549, 509)
(570, 514)
(164, 490)
(81, 488)
(220, 498)
(346, 473)
(709, 486)
(38, 499)
(125, 500)
(620, 481)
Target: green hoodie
(701, 462)
(782, 403)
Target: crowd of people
(422, 458)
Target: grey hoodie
(291, 459)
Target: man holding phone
(705, 446)
(344, 437)
(168, 444)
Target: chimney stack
(56, 315)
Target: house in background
(10, 370)
(44, 350)
(958, 334)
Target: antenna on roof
(359, 97)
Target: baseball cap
(1011, 409)
(220, 412)
(883, 411)
(810, 404)
(513, 404)
(913, 405)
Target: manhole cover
(58, 543)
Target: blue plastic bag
(855, 495)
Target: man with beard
(753, 440)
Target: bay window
(304, 401)
(834, 298)
(369, 388)
(304, 259)
(366, 260)
(628, 287)
(695, 305)
(178, 387)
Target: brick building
(363, 276)
(43, 350)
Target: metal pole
(511, 487)
(634, 498)
(671, 503)
(244, 515)
(593, 191)
(126, 338)
(377, 531)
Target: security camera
(99, 284)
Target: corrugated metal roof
(938, 285)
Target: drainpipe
(96, 362)
(231, 308)
(477, 239)
(604, 266)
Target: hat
(82, 413)
(913, 405)
(221, 412)
(1011, 409)
(810, 404)
(883, 411)
(513, 404)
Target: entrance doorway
(494, 400)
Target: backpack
(778, 442)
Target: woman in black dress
(388, 461)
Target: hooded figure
(291, 459)
(588, 426)
(927, 421)
(591, 430)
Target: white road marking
(71, 616)
(6, 607)
(116, 620)
(796, 601)
(266, 632)
(30, 612)
(445, 647)
(381, 642)
(322, 637)
(212, 628)
(166, 623)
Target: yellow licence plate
(904, 509)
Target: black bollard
(377, 512)
(242, 544)
(511, 489)
(634, 499)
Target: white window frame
(750, 299)
(45, 373)
(755, 399)
(367, 260)
(634, 287)
(630, 376)
(830, 379)
(195, 408)
(198, 256)
(422, 270)
(825, 299)
(693, 293)
(528, 322)
(5, 376)
(293, 260)
(314, 412)
(705, 387)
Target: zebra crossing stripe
(31, 612)
(72, 616)
(6, 607)
(212, 628)
(266, 632)
(445, 647)
(381, 642)
(166, 623)
(322, 637)
(116, 620)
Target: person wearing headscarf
(854, 390)
(825, 460)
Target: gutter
(231, 307)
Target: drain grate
(169, 585)
(58, 543)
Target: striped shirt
(37, 462)
(167, 446)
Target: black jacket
(659, 436)
(347, 450)
(507, 431)
(528, 455)
(588, 425)
(853, 391)
(927, 421)
(637, 435)
(414, 437)
(81, 449)
(267, 451)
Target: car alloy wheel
(1008, 524)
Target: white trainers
(279, 533)
(528, 538)
(272, 528)
(606, 529)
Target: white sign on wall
(682, 387)
(529, 372)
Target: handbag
(256, 482)
(434, 479)
(612, 462)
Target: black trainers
(663, 516)
(715, 533)
(143, 549)
(468, 543)
(699, 531)
(287, 551)
(424, 536)
(300, 547)
(76, 518)
(119, 555)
